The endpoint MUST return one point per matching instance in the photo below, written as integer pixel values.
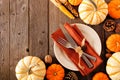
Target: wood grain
(38, 28)
(18, 33)
(4, 39)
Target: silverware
(78, 49)
(84, 47)
(67, 44)
(73, 43)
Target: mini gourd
(93, 12)
(55, 72)
(30, 68)
(114, 9)
(100, 76)
(113, 66)
(75, 2)
(113, 42)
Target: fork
(78, 49)
(67, 44)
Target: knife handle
(89, 56)
(89, 64)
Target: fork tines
(61, 41)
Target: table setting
(77, 46)
(78, 50)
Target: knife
(73, 44)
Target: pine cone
(109, 25)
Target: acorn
(48, 59)
(108, 55)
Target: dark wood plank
(38, 28)
(18, 33)
(4, 39)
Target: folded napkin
(74, 57)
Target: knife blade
(73, 44)
(68, 36)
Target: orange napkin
(74, 57)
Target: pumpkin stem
(94, 4)
(54, 73)
(31, 66)
(118, 8)
(117, 43)
(29, 71)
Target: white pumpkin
(113, 66)
(30, 68)
(92, 14)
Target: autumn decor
(77, 60)
(109, 25)
(63, 9)
(117, 30)
(114, 9)
(113, 42)
(71, 76)
(75, 2)
(100, 76)
(30, 68)
(93, 11)
(48, 59)
(113, 66)
(55, 72)
(70, 7)
(107, 55)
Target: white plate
(90, 35)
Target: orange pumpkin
(100, 76)
(114, 9)
(113, 42)
(75, 2)
(55, 72)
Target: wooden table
(25, 29)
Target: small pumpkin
(93, 11)
(55, 72)
(113, 66)
(113, 42)
(100, 76)
(114, 9)
(75, 2)
(30, 68)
